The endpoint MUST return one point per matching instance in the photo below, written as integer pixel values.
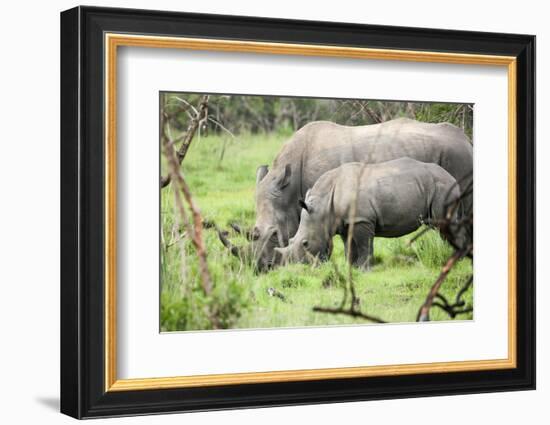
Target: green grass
(221, 175)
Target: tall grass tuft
(431, 250)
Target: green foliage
(431, 250)
(184, 306)
(284, 115)
(334, 278)
(460, 115)
(224, 190)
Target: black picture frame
(83, 392)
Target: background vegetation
(266, 114)
(241, 133)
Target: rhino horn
(283, 253)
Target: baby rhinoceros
(389, 199)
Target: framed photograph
(261, 212)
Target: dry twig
(194, 231)
(424, 312)
(458, 306)
(459, 233)
(201, 115)
(348, 312)
(354, 309)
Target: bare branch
(200, 116)
(194, 231)
(424, 312)
(221, 126)
(227, 243)
(176, 240)
(354, 308)
(187, 104)
(244, 232)
(376, 118)
(348, 312)
(458, 306)
(418, 235)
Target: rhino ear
(284, 180)
(261, 173)
(303, 205)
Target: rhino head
(277, 217)
(312, 242)
(277, 214)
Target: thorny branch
(245, 232)
(423, 314)
(349, 241)
(199, 118)
(459, 233)
(227, 243)
(194, 231)
(348, 312)
(354, 309)
(458, 306)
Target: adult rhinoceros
(322, 146)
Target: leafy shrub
(195, 311)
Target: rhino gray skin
(322, 146)
(393, 200)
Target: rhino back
(322, 146)
(393, 195)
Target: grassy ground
(221, 174)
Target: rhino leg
(370, 257)
(362, 251)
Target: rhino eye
(274, 237)
(305, 243)
(255, 235)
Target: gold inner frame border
(112, 41)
